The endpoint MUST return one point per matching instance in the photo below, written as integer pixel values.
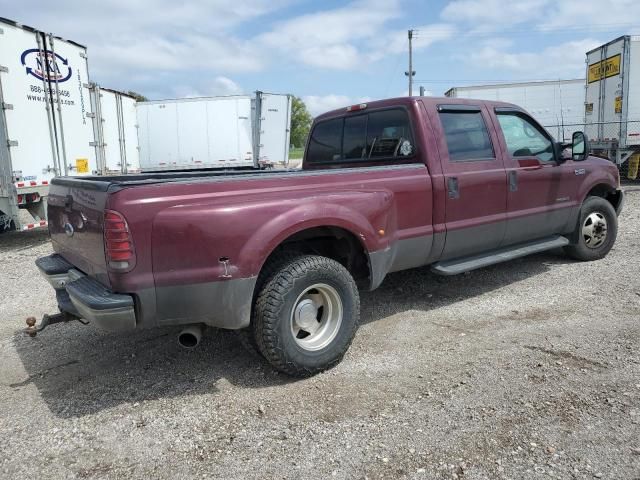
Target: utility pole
(411, 72)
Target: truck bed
(104, 183)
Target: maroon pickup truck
(279, 256)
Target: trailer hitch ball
(31, 327)
(32, 330)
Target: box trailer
(558, 105)
(115, 129)
(612, 104)
(272, 128)
(44, 128)
(214, 132)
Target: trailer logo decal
(46, 65)
(609, 67)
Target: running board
(466, 264)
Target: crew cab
(280, 256)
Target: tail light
(118, 243)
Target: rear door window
(467, 136)
(389, 134)
(379, 135)
(355, 134)
(325, 144)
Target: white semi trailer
(54, 121)
(214, 132)
(44, 128)
(556, 104)
(612, 105)
(115, 131)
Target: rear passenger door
(475, 181)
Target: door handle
(452, 187)
(513, 181)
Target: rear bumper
(87, 298)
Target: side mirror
(559, 152)
(579, 146)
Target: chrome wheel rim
(594, 230)
(316, 317)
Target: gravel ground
(523, 370)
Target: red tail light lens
(118, 243)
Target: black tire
(588, 248)
(287, 288)
(246, 336)
(248, 341)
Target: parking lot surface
(529, 369)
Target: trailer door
(604, 97)
(275, 128)
(118, 141)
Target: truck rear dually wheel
(306, 314)
(596, 230)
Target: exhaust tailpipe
(190, 337)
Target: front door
(475, 181)
(541, 192)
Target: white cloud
(317, 104)
(396, 42)
(592, 13)
(495, 12)
(131, 39)
(340, 57)
(326, 38)
(589, 16)
(224, 86)
(219, 86)
(565, 60)
(157, 53)
(349, 37)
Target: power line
(520, 31)
(492, 80)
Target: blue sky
(329, 53)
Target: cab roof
(408, 101)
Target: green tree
(301, 121)
(138, 96)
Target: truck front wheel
(596, 230)
(306, 314)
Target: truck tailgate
(76, 218)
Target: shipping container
(115, 131)
(612, 105)
(214, 132)
(44, 128)
(558, 104)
